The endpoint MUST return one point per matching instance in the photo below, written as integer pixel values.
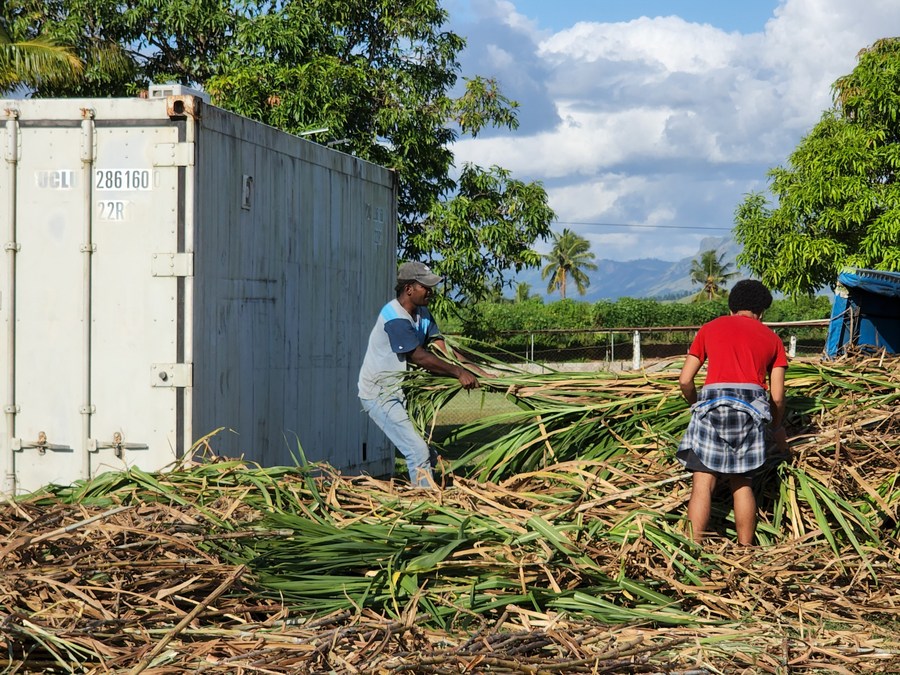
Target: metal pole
(12, 248)
(87, 252)
(190, 198)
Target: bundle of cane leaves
(441, 559)
(560, 417)
(559, 542)
(842, 480)
(323, 544)
(840, 487)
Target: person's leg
(744, 509)
(700, 505)
(391, 417)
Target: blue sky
(729, 15)
(648, 121)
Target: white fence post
(636, 351)
(792, 350)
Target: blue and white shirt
(396, 333)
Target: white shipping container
(171, 269)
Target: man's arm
(777, 406)
(686, 379)
(433, 364)
(457, 355)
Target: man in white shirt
(402, 334)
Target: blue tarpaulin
(866, 312)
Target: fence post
(636, 351)
(792, 350)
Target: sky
(648, 121)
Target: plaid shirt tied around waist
(727, 431)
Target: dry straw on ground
(566, 556)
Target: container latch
(118, 445)
(17, 444)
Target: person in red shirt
(743, 394)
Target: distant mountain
(641, 278)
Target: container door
(97, 282)
(138, 289)
(43, 297)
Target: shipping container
(172, 269)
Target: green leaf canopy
(838, 200)
(377, 78)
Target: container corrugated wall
(229, 274)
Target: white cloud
(658, 120)
(501, 58)
(585, 201)
(668, 44)
(584, 143)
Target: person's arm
(457, 355)
(434, 364)
(777, 406)
(686, 379)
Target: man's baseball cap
(417, 271)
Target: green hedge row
(500, 323)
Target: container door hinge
(173, 265)
(172, 375)
(173, 154)
(117, 444)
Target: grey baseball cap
(417, 271)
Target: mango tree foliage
(376, 78)
(838, 200)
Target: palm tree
(30, 62)
(570, 256)
(712, 273)
(523, 291)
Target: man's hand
(467, 379)
(433, 364)
(779, 435)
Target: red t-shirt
(739, 349)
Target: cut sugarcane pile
(558, 548)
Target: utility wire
(659, 227)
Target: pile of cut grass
(559, 561)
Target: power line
(658, 227)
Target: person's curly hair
(749, 295)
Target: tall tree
(838, 200)
(35, 61)
(381, 76)
(569, 257)
(712, 273)
(523, 291)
